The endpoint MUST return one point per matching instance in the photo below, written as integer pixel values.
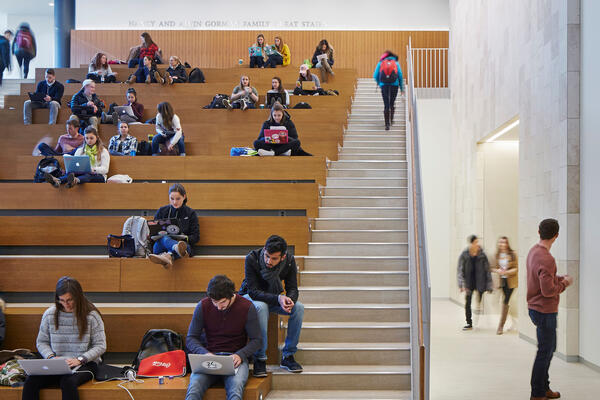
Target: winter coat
(483, 277)
(188, 221)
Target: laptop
(212, 364)
(161, 227)
(273, 97)
(38, 97)
(255, 51)
(124, 110)
(77, 164)
(276, 135)
(54, 366)
(309, 85)
(321, 58)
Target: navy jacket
(188, 221)
(179, 72)
(4, 53)
(79, 99)
(55, 91)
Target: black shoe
(467, 327)
(259, 369)
(290, 364)
(51, 180)
(71, 180)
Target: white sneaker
(263, 152)
(287, 153)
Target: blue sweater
(399, 81)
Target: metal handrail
(419, 269)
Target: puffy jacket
(188, 221)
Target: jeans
(293, 331)
(2, 67)
(93, 121)
(389, 93)
(46, 150)
(23, 58)
(234, 384)
(468, 298)
(546, 336)
(274, 60)
(165, 245)
(257, 61)
(278, 148)
(159, 139)
(68, 383)
(54, 106)
(85, 177)
(133, 62)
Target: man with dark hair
(473, 273)
(543, 294)
(53, 92)
(66, 144)
(264, 270)
(223, 322)
(5, 52)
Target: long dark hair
(82, 306)
(147, 39)
(277, 107)
(509, 249)
(280, 43)
(96, 61)
(260, 35)
(165, 109)
(321, 43)
(278, 79)
(178, 187)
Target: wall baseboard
(562, 356)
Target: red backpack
(24, 40)
(388, 71)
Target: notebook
(39, 97)
(270, 50)
(124, 110)
(309, 85)
(212, 364)
(276, 135)
(77, 164)
(321, 57)
(255, 51)
(54, 366)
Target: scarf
(271, 275)
(91, 152)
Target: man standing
(543, 291)
(5, 53)
(52, 91)
(265, 269)
(223, 322)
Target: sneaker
(467, 327)
(263, 152)
(181, 249)
(168, 78)
(227, 104)
(290, 364)
(158, 78)
(287, 153)
(148, 79)
(71, 180)
(259, 369)
(52, 180)
(165, 259)
(244, 105)
(115, 118)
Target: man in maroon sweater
(543, 290)
(223, 322)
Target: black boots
(393, 109)
(386, 117)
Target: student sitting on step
(67, 143)
(53, 92)
(167, 249)
(99, 161)
(87, 106)
(99, 70)
(122, 144)
(277, 88)
(148, 73)
(72, 329)
(137, 108)
(223, 322)
(306, 76)
(168, 130)
(278, 119)
(264, 270)
(243, 96)
(176, 70)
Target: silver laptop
(124, 110)
(54, 366)
(77, 164)
(212, 364)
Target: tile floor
(478, 364)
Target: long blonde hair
(99, 144)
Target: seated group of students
(224, 322)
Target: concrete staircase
(355, 341)
(11, 86)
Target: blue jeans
(29, 105)
(158, 139)
(293, 331)
(84, 178)
(165, 245)
(234, 384)
(46, 150)
(546, 336)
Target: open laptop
(273, 97)
(270, 50)
(255, 51)
(38, 97)
(276, 135)
(161, 227)
(54, 366)
(309, 85)
(124, 110)
(77, 164)
(212, 364)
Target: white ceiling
(27, 7)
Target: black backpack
(196, 76)
(143, 149)
(217, 101)
(157, 341)
(47, 165)
(302, 105)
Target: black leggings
(389, 93)
(23, 58)
(67, 383)
(278, 148)
(274, 60)
(98, 79)
(257, 62)
(468, 298)
(507, 291)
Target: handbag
(121, 246)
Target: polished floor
(478, 364)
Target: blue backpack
(48, 165)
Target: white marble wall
(520, 58)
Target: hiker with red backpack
(388, 76)
(24, 47)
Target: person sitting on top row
(323, 59)
(99, 70)
(147, 48)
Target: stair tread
(332, 288)
(338, 394)
(345, 369)
(353, 346)
(369, 272)
(361, 305)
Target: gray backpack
(137, 227)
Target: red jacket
(543, 286)
(148, 51)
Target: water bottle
(102, 78)
(132, 153)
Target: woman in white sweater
(99, 161)
(71, 329)
(99, 70)
(168, 130)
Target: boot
(323, 73)
(502, 319)
(386, 117)
(392, 111)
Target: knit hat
(86, 82)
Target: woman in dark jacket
(473, 274)
(323, 49)
(166, 249)
(176, 70)
(278, 119)
(148, 73)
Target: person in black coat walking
(473, 274)
(5, 53)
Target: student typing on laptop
(53, 93)
(306, 76)
(278, 119)
(99, 162)
(223, 322)
(277, 92)
(72, 329)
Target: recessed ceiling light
(51, 4)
